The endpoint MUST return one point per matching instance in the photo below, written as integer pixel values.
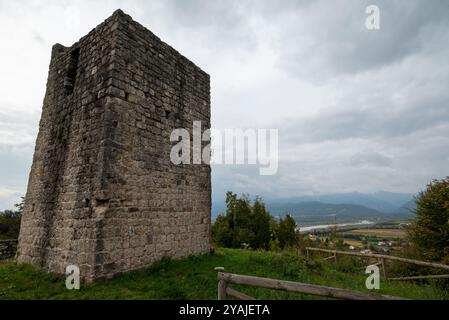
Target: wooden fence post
(222, 285)
(384, 267)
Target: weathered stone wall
(103, 193)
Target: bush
(349, 264)
(9, 224)
(286, 232)
(249, 225)
(287, 264)
(245, 224)
(429, 232)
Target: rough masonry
(102, 192)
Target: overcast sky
(356, 109)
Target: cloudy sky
(356, 109)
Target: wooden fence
(8, 249)
(382, 261)
(225, 279)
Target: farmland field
(382, 233)
(353, 243)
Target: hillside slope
(195, 278)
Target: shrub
(244, 224)
(429, 232)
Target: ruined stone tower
(102, 192)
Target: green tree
(240, 214)
(429, 231)
(10, 222)
(260, 225)
(244, 224)
(221, 231)
(286, 233)
(19, 206)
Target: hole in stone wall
(126, 96)
(86, 202)
(149, 238)
(101, 202)
(71, 71)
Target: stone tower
(102, 192)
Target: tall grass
(195, 278)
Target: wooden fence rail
(224, 279)
(382, 261)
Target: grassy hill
(195, 278)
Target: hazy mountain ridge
(407, 208)
(355, 204)
(386, 202)
(323, 209)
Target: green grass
(195, 278)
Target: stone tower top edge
(127, 19)
(119, 17)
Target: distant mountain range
(308, 209)
(407, 208)
(345, 205)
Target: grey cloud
(15, 163)
(387, 125)
(374, 124)
(397, 102)
(221, 25)
(18, 127)
(335, 39)
(38, 37)
(18, 131)
(370, 158)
